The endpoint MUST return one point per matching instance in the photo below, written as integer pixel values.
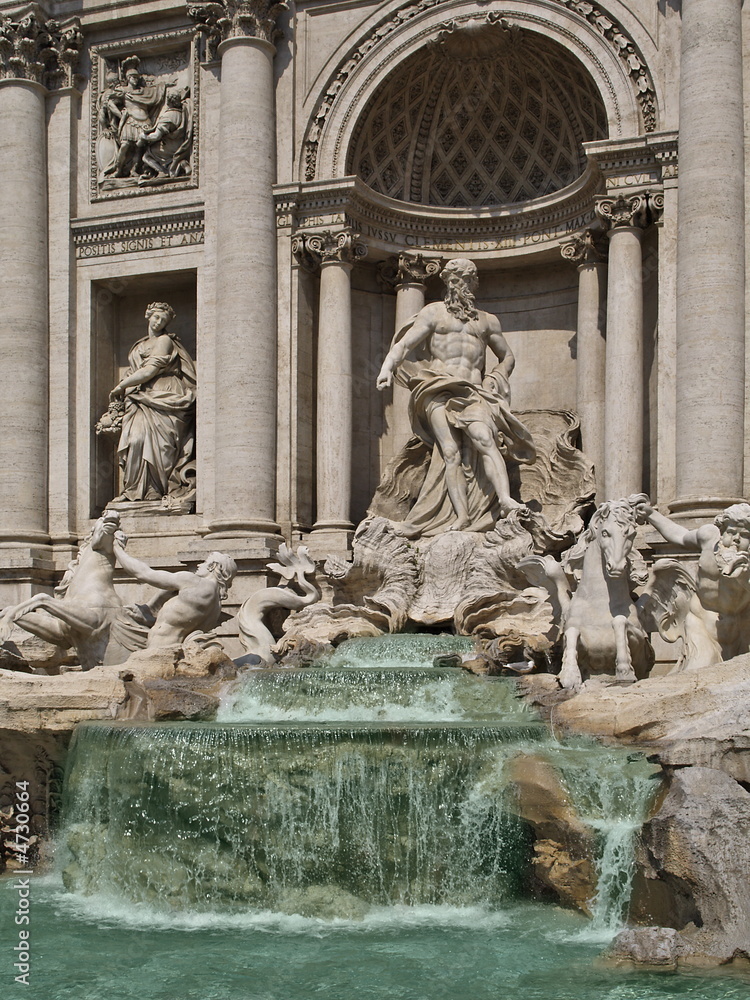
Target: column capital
(408, 268)
(220, 20)
(586, 247)
(38, 50)
(328, 247)
(626, 211)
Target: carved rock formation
(693, 869)
(564, 848)
(687, 719)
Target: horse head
(613, 527)
(104, 532)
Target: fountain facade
(350, 228)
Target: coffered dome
(481, 117)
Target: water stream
(346, 830)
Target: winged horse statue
(591, 593)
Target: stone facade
(286, 175)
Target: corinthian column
(624, 388)
(34, 57)
(710, 259)
(336, 253)
(590, 258)
(245, 440)
(407, 274)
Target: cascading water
(329, 818)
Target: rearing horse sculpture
(591, 591)
(84, 606)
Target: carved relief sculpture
(153, 410)
(705, 604)
(460, 412)
(144, 123)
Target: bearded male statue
(462, 414)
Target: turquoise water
(98, 948)
(348, 833)
(415, 650)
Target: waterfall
(369, 781)
(210, 816)
(612, 791)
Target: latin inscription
(139, 244)
(449, 244)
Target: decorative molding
(167, 45)
(408, 268)
(636, 165)
(394, 227)
(606, 26)
(43, 51)
(586, 247)
(329, 247)
(626, 49)
(93, 241)
(223, 19)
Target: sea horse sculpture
(591, 592)
(85, 605)
(297, 566)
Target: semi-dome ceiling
(482, 117)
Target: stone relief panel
(144, 116)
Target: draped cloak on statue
(464, 403)
(158, 428)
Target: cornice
(389, 226)
(95, 239)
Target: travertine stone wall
(291, 431)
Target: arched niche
(483, 116)
(609, 58)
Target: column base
(331, 538)
(242, 527)
(695, 511)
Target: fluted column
(624, 384)
(245, 441)
(335, 252)
(589, 256)
(407, 274)
(710, 258)
(34, 57)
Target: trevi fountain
(374, 532)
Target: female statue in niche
(153, 406)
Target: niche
(118, 315)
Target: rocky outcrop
(691, 887)
(697, 718)
(693, 867)
(564, 847)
